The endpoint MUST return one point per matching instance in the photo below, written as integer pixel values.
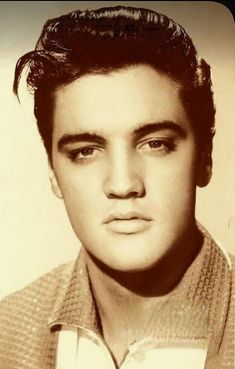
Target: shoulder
(24, 314)
(42, 290)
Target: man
(125, 109)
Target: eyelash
(74, 154)
(163, 145)
(166, 145)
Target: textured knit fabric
(31, 319)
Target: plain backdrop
(35, 232)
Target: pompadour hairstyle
(102, 40)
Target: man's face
(124, 159)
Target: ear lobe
(54, 184)
(204, 170)
(204, 176)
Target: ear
(54, 183)
(204, 168)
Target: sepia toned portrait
(117, 202)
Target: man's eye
(84, 153)
(156, 145)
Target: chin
(127, 262)
(134, 253)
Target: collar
(74, 305)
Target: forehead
(117, 101)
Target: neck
(132, 297)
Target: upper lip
(126, 216)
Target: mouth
(127, 223)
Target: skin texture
(146, 176)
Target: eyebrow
(159, 126)
(79, 137)
(139, 132)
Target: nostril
(123, 180)
(122, 195)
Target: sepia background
(35, 233)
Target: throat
(131, 323)
(132, 306)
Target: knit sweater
(200, 308)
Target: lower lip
(128, 226)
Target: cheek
(172, 182)
(80, 194)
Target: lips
(125, 216)
(127, 223)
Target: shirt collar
(74, 304)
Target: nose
(123, 179)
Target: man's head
(126, 113)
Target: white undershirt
(81, 349)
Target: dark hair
(98, 41)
